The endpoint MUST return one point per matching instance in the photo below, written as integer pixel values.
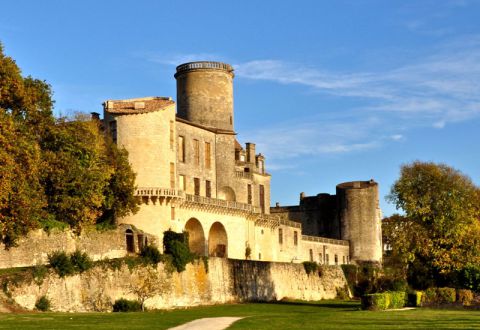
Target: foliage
(376, 301)
(43, 304)
(397, 299)
(151, 254)
(439, 296)
(310, 267)
(80, 261)
(440, 232)
(465, 297)
(469, 277)
(125, 305)
(176, 245)
(61, 263)
(147, 283)
(49, 224)
(39, 273)
(54, 170)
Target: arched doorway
(196, 237)
(129, 240)
(217, 241)
(227, 194)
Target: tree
(440, 231)
(147, 283)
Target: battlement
(204, 65)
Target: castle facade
(194, 176)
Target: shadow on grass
(341, 305)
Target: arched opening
(217, 241)
(129, 240)
(196, 237)
(226, 193)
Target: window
(208, 162)
(181, 182)
(327, 261)
(295, 238)
(172, 213)
(208, 188)
(249, 194)
(129, 240)
(311, 255)
(280, 236)
(343, 259)
(181, 149)
(261, 194)
(172, 175)
(140, 242)
(196, 184)
(320, 260)
(259, 256)
(172, 134)
(196, 150)
(347, 259)
(113, 130)
(336, 260)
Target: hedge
(384, 300)
(439, 296)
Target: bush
(342, 293)
(61, 263)
(42, 304)
(125, 305)
(310, 267)
(446, 295)
(176, 245)
(376, 301)
(151, 254)
(81, 261)
(397, 299)
(465, 297)
(39, 273)
(469, 277)
(415, 298)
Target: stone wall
(34, 248)
(227, 280)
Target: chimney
(250, 152)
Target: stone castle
(194, 176)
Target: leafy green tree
(440, 231)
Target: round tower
(360, 219)
(205, 94)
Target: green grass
(293, 315)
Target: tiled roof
(138, 105)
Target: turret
(360, 219)
(205, 94)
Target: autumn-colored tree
(440, 231)
(54, 168)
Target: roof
(137, 105)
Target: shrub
(39, 273)
(125, 305)
(465, 297)
(446, 295)
(176, 245)
(80, 261)
(414, 298)
(397, 299)
(310, 267)
(151, 254)
(42, 304)
(342, 293)
(376, 301)
(469, 277)
(61, 263)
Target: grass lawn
(337, 315)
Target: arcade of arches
(217, 239)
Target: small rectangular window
(336, 260)
(181, 149)
(172, 213)
(261, 193)
(208, 162)
(295, 238)
(196, 150)
(327, 261)
(172, 175)
(208, 188)
(343, 259)
(280, 236)
(249, 194)
(311, 255)
(181, 182)
(320, 259)
(196, 183)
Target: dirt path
(211, 323)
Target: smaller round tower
(205, 94)
(360, 219)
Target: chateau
(193, 175)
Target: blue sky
(330, 91)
